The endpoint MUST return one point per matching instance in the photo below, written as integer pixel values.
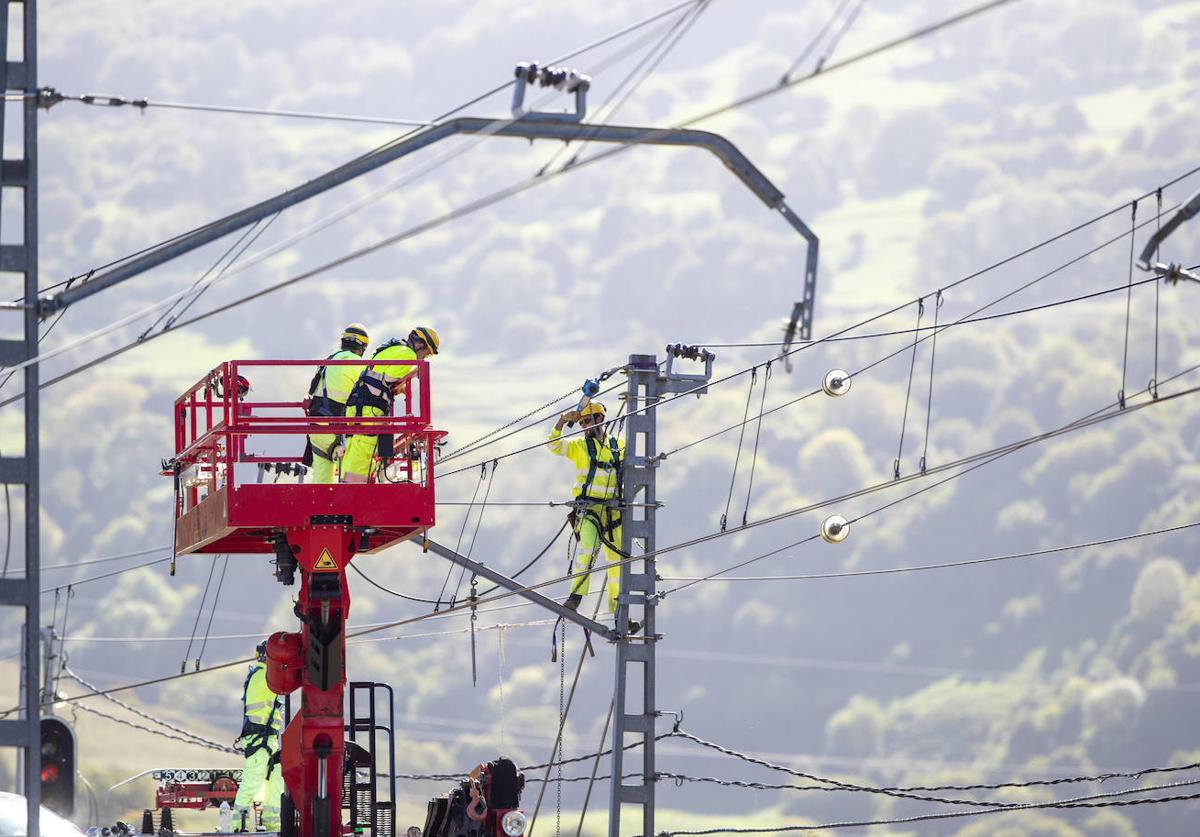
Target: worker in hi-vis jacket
(327, 395)
(262, 775)
(599, 461)
(375, 393)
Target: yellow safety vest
(597, 462)
(260, 706)
(392, 372)
(331, 386)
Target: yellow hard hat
(593, 407)
(355, 333)
(427, 336)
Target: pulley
(835, 528)
(836, 382)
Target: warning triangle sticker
(325, 562)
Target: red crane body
(316, 529)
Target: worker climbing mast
(224, 504)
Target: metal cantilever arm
(1189, 210)
(533, 126)
(520, 589)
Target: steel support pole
(637, 592)
(646, 387)
(20, 76)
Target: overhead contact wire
(1128, 303)
(519, 187)
(757, 434)
(738, 456)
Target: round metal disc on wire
(835, 529)
(836, 382)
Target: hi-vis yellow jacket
(597, 463)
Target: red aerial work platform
(225, 503)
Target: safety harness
(323, 406)
(594, 463)
(371, 391)
(259, 734)
(585, 503)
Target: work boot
(635, 627)
(239, 821)
(572, 602)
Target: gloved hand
(571, 416)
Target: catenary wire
(830, 784)
(599, 42)
(462, 606)
(973, 462)
(732, 375)
(646, 67)
(108, 102)
(106, 575)
(67, 565)
(841, 33)
(995, 452)
(515, 575)
(522, 186)
(212, 568)
(683, 545)
(180, 733)
(247, 235)
(212, 612)
(535, 422)
(968, 319)
(1077, 802)
(901, 332)
(949, 564)
(578, 574)
(815, 42)
(161, 733)
(174, 298)
(505, 193)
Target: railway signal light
(58, 766)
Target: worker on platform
(374, 395)
(599, 461)
(327, 395)
(262, 776)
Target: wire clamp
(48, 97)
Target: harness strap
(592, 463)
(326, 453)
(318, 377)
(370, 391)
(326, 402)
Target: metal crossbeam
(533, 126)
(483, 571)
